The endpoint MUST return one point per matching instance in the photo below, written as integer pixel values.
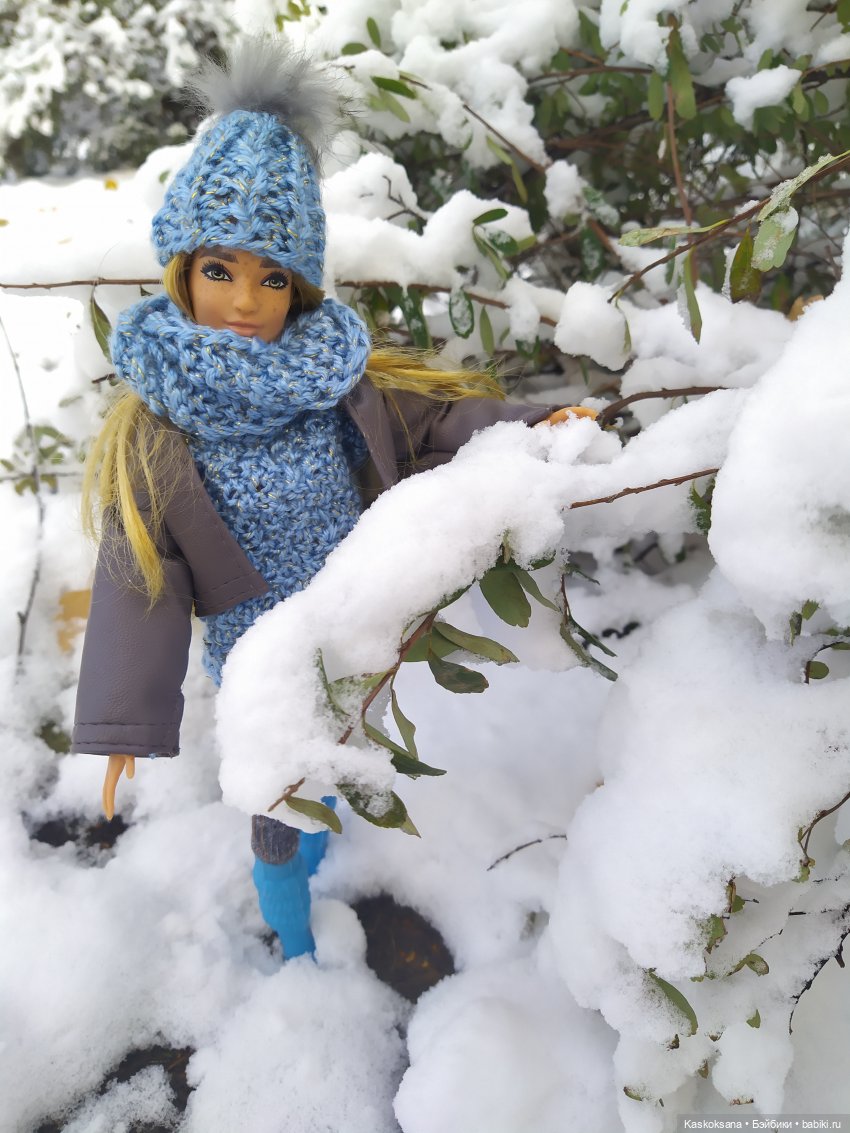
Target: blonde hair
(131, 453)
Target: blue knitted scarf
(265, 429)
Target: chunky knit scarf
(265, 429)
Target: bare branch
(611, 411)
(24, 615)
(524, 846)
(646, 488)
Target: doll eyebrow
(228, 257)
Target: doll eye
(277, 282)
(215, 271)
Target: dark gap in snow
(403, 949)
(89, 837)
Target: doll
(256, 419)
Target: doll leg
(283, 888)
(313, 846)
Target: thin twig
(613, 410)
(24, 615)
(524, 846)
(646, 488)
(98, 282)
(818, 817)
(288, 793)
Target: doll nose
(245, 298)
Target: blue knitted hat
(252, 182)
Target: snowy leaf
(637, 237)
(461, 313)
(311, 808)
(354, 49)
(678, 1000)
(816, 670)
(775, 236)
(754, 1020)
(780, 198)
(393, 816)
(374, 32)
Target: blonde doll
(256, 418)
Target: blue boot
(312, 847)
(283, 886)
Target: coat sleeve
(134, 657)
(427, 433)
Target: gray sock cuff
(272, 841)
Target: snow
(765, 88)
(636, 803)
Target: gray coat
(135, 657)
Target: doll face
(238, 291)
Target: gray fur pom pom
(267, 74)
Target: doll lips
(244, 328)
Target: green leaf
(681, 82)
(492, 214)
(407, 765)
(504, 594)
(502, 154)
(677, 999)
(504, 242)
(428, 643)
(456, 678)
(101, 325)
(817, 670)
(410, 302)
(354, 49)
(774, 238)
(583, 655)
(744, 280)
(507, 159)
(691, 304)
(485, 329)
(809, 608)
(389, 102)
(374, 32)
(530, 586)
(461, 313)
(640, 236)
(394, 86)
(781, 196)
(754, 1020)
(702, 507)
(480, 646)
(800, 104)
(842, 11)
(716, 932)
(379, 738)
(655, 96)
(486, 248)
(406, 728)
(394, 816)
(754, 962)
(313, 809)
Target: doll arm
(116, 765)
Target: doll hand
(569, 411)
(114, 768)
